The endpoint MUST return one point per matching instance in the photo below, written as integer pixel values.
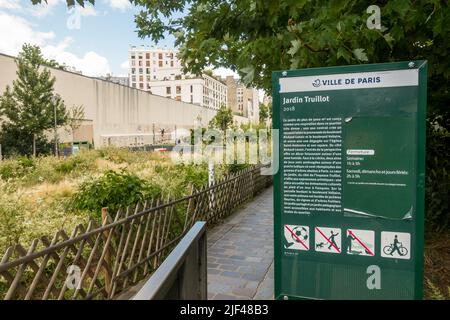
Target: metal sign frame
(282, 267)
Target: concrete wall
(114, 109)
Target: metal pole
(153, 130)
(56, 137)
(210, 184)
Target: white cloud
(15, 31)
(91, 64)
(10, 4)
(124, 65)
(119, 4)
(88, 10)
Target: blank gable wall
(113, 108)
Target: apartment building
(148, 64)
(243, 101)
(159, 71)
(205, 91)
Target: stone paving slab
(240, 253)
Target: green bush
(113, 190)
(80, 163)
(12, 221)
(234, 167)
(26, 162)
(437, 195)
(16, 168)
(9, 169)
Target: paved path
(240, 253)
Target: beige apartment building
(243, 101)
(148, 64)
(206, 91)
(158, 70)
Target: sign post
(349, 200)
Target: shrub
(26, 162)
(112, 190)
(16, 168)
(234, 167)
(435, 293)
(12, 221)
(437, 194)
(9, 169)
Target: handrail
(183, 274)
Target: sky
(94, 39)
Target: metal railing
(183, 275)
(101, 261)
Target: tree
(263, 113)
(75, 117)
(223, 119)
(257, 37)
(28, 109)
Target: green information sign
(349, 192)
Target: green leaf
(360, 55)
(250, 74)
(295, 45)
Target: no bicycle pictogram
(328, 240)
(360, 242)
(296, 237)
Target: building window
(141, 78)
(178, 89)
(160, 56)
(148, 78)
(178, 98)
(168, 90)
(171, 63)
(133, 85)
(147, 63)
(133, 63)
(140, 63)
(141, 86)
(192, 88)
(147, 55)
(147, 70)
(160, 63)
(133, 78)
(133, 57)
(133, 70)
(141, 71)
(192, 98)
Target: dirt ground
(437, 264)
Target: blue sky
(94, 40)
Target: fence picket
(123, 250)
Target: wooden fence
(101, 261)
